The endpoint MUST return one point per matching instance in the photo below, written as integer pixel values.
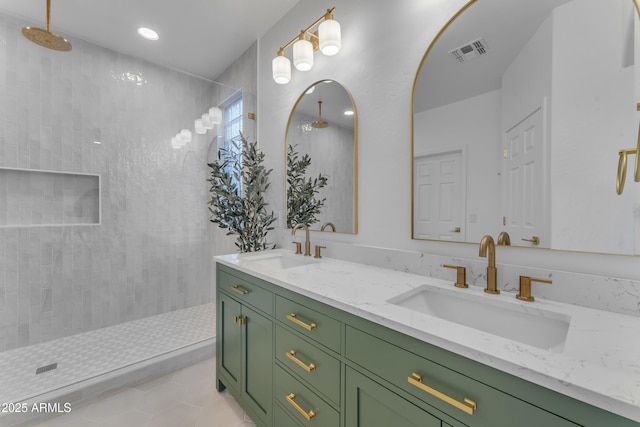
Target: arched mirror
(520, 108)
(321, 157)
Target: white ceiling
(506, 26)
(201, 37)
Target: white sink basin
(516, 321)
(281, 260)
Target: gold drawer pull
(237, 289)
(467, 405)
(307, 415)
(308, 326)
(291, 354)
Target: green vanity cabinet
(244, 361)
(371, 405)
(292, 361)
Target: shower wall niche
(46, 198)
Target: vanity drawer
(308, 362)
(245, 291)
(309, 322)
(444, 388)
(282, 419)
(302, 404)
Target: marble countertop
(599, 363)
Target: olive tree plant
(302, 203)
(239, 181)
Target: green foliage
(302, 204)
(242, 211)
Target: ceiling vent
(470, 51)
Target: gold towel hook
(622, 165)
(622, 171)
(636, 168)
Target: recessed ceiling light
(349, 113)
(148, 33)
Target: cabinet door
(229, 341)
(257, 383)
(371, 405)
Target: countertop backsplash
(619, 295)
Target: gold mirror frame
(327, 225)
(623, 153)
(413, 113)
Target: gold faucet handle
(298, 247)
(535, 240)
(525, 287)
(461, 279)
(318, 249)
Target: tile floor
(97, 352)
(185, 398)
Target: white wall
(331, 152)
(436, 130)
(383, 44)
(589, 119)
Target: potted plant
(239, 181)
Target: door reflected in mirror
(519, 111)
(321, 160)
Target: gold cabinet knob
(525, 287)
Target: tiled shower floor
(88, 355)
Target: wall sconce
(327, 39)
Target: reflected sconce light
(327, 39)
(202, 124)
(215, 115)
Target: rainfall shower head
(47, 38)
(320, 124)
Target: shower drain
(46, 368)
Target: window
(232, 125)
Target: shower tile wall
(150, 254)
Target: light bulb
(330, 37)
(303, 55)
(148, 33)
(206, 121)
(200, 127)
(215, 114)
(185, 136)
(281, 69)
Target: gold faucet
(492, 271)
(307, 243)
(328, 224)
(504, 239)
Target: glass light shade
(303, 55)
(215, 114)
(281, 69)
(185, 136)
(200, 127)
(175, 143)
(330, 37)
(206, 121)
